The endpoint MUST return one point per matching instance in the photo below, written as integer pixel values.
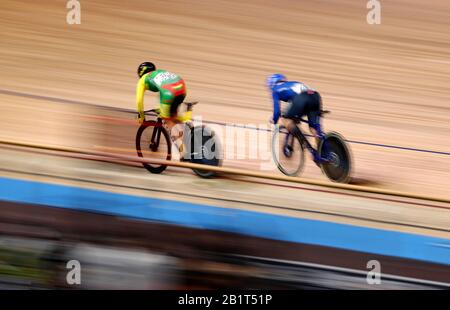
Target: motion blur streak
(54, 99)
(386, 85)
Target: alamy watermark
(249, 142)
(74, 14)
(73, 276)
(374, 15)
(374, 275)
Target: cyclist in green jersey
(171, 88)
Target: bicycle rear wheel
(203, 147)
(334, 148)
(153, 142)
(290, 157)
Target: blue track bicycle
(331, 154)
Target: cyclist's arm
(140, 91)
(276, 107)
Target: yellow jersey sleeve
(140, 91)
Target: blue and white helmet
(274, 79)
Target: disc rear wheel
(338, 165)
(203, 147)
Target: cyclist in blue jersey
(301, 100)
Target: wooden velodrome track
(385, 84)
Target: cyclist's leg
(314, 106)
(175, 120)
(295, 110)
(186, 116)
(169, 104)
(176, 102)
(169, 109)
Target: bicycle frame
(311, 149)
(156, 134)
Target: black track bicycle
(196, 144)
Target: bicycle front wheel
(287, 151)
(153, 142)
